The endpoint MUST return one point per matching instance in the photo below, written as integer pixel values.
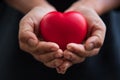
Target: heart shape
(63, 28)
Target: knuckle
(98, 41)
(22, 38)
(99, 44)
(26, 20)
(22, 47)
(96, 24)
(23, 21)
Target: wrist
(25, 6)
(100, 6)
(93, 4)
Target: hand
(46, 52)
(76, 53)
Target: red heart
(63, 28)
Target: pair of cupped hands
(49, 53)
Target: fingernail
(90, 46)
(31, 42)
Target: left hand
(31, 41)
(76, 53)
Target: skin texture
(46, 52)
(76, 53)
(49, 53)
(26, 5)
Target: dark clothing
(16, 64)
(61, 5)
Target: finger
(48, 57)
(80, 50)
(54, 63)
(73, 57)
(29, 25)
(26, 33)
(96, 27)
(63, 68)
(42, 47)
(45, 47)
(93, 42)
(96, 38)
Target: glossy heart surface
(63, 28)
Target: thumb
(29, 24)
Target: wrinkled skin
(49, 53)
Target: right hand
(77, 53)
(30, 41)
